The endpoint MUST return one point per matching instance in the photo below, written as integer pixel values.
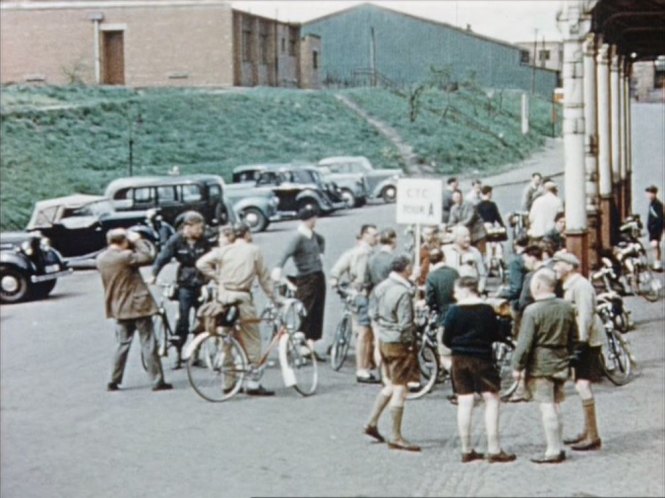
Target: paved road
(62, 434)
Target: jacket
(439, 289)
(546, 339)
(516, 273)
(470, 329)
(354, 262)
(186, 255)
(392, 310)
(543, 211)
(126, 295)
(580, 293)
(466, 214)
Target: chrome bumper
(50, 276)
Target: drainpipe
(604, 146)
(97, 18)
(573, 25)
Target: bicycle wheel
(503, 354)
(502, 271)
(225, 367)
(616, 358)
(300, 358)
(341, 343)
(647, 285)
(428, 364)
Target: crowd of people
(557, 331)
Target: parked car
(296, 187)
(77, 224)
(353, 186)
(173, 195)
(256, 206)
(29, 267)
(381, 183)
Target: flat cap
(567, 257)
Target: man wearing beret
(588, 366)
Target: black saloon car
(29, 267)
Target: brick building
(152, 43)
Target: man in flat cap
(588, 366)
(655, 225)
(306, 249)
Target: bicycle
(339, 348)
(430, 367)
(618, 359)
(494, 251)
(225, 363)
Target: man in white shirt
(473, 196)
(543, 211)
(463, 257)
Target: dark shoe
(259, 391)
(402, 444)
(471, 456)
(501, 457)
(227, 390)
(198, 363)
(162, 386)
(112, 386)
(551, 459)
(368, 380)
(373, 431)
(587, 445)
(574, 439)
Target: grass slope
(60, 140)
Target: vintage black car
(173, 195)
(77, 224)
(297, 187)
(29, 267)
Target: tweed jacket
(126, 294)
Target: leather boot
(592, 440)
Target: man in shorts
(392, 311)
(655, 225)
(470, 329)
(546, 340)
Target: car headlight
(274, 202)
(27, 248)
(45, 244)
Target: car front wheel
(13, 285)
(349, 199)
(389, 194)
(256, 220)
(309, 205)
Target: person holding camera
(129, 302)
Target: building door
(114, 58)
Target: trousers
(124, 332)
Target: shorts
(400, 362)
(590, 365)
(655, 234)
(546, 389)
(474, 375)
(361, 313)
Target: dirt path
(409, 157)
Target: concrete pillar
(622, 134)
(574, 25)
(606, 200)
(591, 146)
(628, 159)
(615, 128)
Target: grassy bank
(60, 140)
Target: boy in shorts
(547, 337)
(470, 328)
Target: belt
(248, 291)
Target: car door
(167, 201)
(192, 198)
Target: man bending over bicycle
(234, 267)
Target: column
(591, 146)
(606, 200)
(628, 160)
(622, 134)
(615, 127)
(573, 27)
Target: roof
(143, 181)
(423, 19)
(339, 159)
(71, 201)
(635, 26)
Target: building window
(524, 57)
(246, 39)
(263, 42)
(544, 55)
(283, 44)
(315, 59)
(293, 40)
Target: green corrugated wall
(407, 47)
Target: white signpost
(419, 202)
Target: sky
(508, 20)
